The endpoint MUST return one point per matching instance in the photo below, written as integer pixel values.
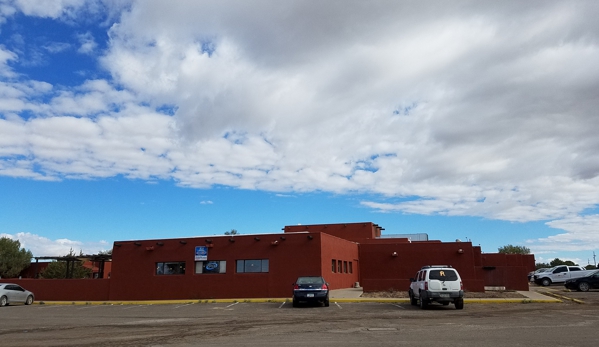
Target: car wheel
(294, 302)
(29, 300)
(413, 300)
(459, 304)
(326, 303)
(3, 301)
(545, 282)
(583, 287)
(423, 301)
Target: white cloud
(480, 110)
(57, 47)
(41, 246)
(5, 57)
(87, 43)
(48, 8)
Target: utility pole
(594, 261)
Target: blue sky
(140, 119)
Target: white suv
(439, 283)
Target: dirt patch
(472, 295)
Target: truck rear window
(443, 275)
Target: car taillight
(295, 287)
(461, 286)
(324, 287)
(426, 285)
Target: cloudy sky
(152, 119)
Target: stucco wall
(381, 270)
(66, 289)
(134, 275)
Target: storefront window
(211, 267)
(170, 268)
(252, 265)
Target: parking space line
(403, 308)
(191, 303)
(338, 305)
(282, 304)
(233, 304)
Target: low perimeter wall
(65, 289)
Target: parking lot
(274, 324)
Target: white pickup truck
(559, 274)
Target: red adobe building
(265, 266)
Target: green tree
(590, 267)
(58, 269)
(13, 258)
(558, 261)
(511, 249)
(232, 232)
(542, 265)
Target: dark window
(170, 268)
(310, 280)
(574, 269)
(345, 266)
(443, 275)
(334, 265)
(211, 267)
(252, 265)
(561, 269)
(351, 270)
(339, 266)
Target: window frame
(160, 270)
(222, 266)
(263, 268)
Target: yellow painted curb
(281, 300)
(564, 297)
(162, 302)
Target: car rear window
(443, 275)
(310, 280)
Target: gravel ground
(488, 294)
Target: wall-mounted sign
(201, 253)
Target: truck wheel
(459, 304)
(545, 282)
(413, 300)
(423, 301)
(583, 286)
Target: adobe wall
(356, 232)
(380, 270)
(290, 256)
(347, 268)
(507, 270)
(66, 289)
